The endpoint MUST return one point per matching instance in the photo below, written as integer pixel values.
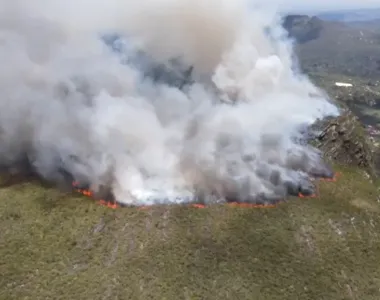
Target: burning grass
(57, 246)
(114, 205)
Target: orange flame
(198, 205)
(114, 205)
(334, 179)
(88, 193)
(300, 195)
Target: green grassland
(64, 246)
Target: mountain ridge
(350, 15)
(335, 47)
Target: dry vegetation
(65, 246)
(332, 47)
(57, 246)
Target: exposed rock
(303, 28)
(344, 141)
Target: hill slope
(336, 47)
(56, 246)
(351, 15)
(65, 246)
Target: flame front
(88, 193)
(114, 205)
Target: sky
(323, 5)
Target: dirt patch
(366, 205)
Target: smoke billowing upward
(156, 100)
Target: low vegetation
(61, 246)
(330, 47)
(65, 246)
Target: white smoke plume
(156, 100)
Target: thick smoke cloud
(156, 100)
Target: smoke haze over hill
(77, 110)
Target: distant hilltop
(357, 15)
(335, 47)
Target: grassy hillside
(57, 246)
(363, 98)
(336, 47)
(65, 246)
(332, 52)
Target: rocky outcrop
(303, 28)
(343, 140)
